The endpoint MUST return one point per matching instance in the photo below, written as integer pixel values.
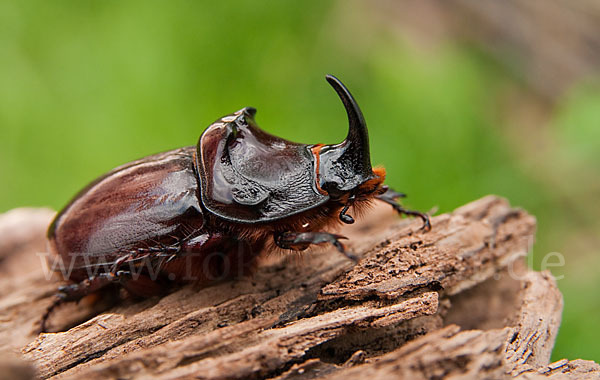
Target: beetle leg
(299, 241)
(391, 193)
(75, 292)
(390, 197)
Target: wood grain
(456, 302)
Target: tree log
(455, 302)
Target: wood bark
(455, 302)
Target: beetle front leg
(390, 197)
(299, 241)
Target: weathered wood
(453, 302)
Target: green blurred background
(461, 100)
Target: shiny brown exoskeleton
(206, 212)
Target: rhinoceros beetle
(205, 212)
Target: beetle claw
(390, 197)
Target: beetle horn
(352, 154)
(358, 136)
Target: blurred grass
(88, 85)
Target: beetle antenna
(345, 217)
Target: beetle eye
(333, 190)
